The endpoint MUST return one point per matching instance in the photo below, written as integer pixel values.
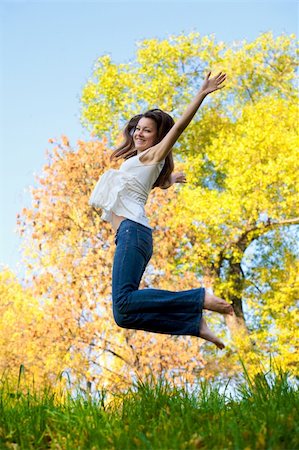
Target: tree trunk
(236, 323)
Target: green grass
(263, 414)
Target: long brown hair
(126, 150)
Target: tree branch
(109, 370)
(91, 344)
(295, 220)
(242, 242)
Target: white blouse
(125, 191)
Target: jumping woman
(122, 194)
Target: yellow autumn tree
(249, 202)
(21, 322)
(239, 155)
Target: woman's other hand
(178, 178)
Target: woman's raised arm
(161, 150)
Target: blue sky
(48, 49)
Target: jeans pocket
(124, 235)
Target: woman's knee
(121, 319)
(119, 303)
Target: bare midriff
(116, 221)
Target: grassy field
(262, 414)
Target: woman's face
(145, 134)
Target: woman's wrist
(172, 179)
(203, 93)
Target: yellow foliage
(240, 155)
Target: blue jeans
(155, 310)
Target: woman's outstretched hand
(213, 84)
(178, 178)
(163, 148)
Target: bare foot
(206, 333)
(213, 303)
